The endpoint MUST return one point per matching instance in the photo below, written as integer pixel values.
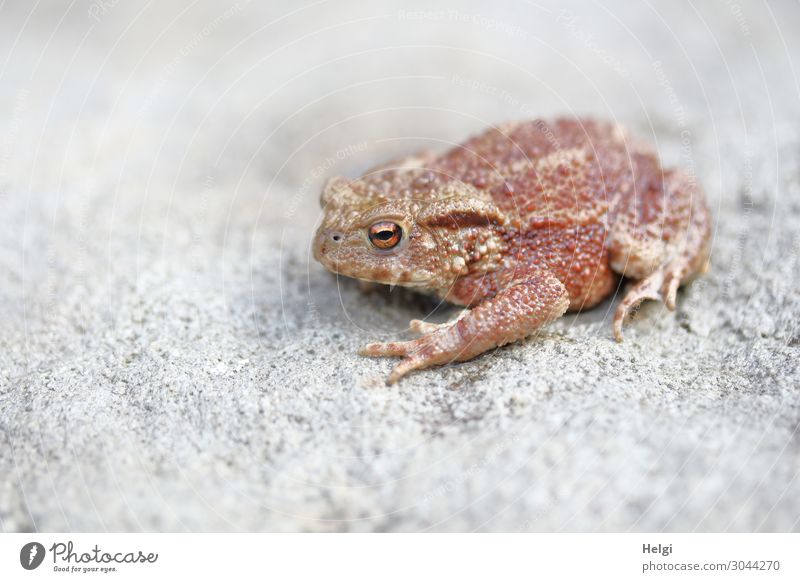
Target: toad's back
(566, 171)
(587, 199)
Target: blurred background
(172, 359)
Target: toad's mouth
(380, 276)
(400, 279)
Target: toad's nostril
(336, 237)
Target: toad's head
(426, 242)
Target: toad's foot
(677, 242)
(441, 345)
(421, 327)
(661, 285)
(515, 312)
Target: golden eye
(385, 235)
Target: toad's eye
(385, 235)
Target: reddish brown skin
(521, 223)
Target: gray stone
(172, 359)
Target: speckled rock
(172, 358)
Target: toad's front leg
(529, 302)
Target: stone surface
(172, 359)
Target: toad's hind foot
(661, 285)
(662, 248)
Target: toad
(519, 225)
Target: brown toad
(522, 223)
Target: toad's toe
(661, 285)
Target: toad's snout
(327, 243)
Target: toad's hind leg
(662, 243)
